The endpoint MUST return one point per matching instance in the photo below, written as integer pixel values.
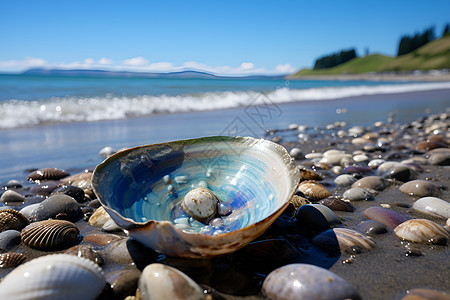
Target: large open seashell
(142, 189)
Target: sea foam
(20, 113)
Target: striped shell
(11, 259)
(306, 174)
(313, 190)
(422, 231)
(58, 276)
(49, 234)
(340, 239)
(47, 174)
(12, 219)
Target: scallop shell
(422, 231)
(159, 281)
(49, 234)
(59, 276)
(313, 190)
(256, 177)
(12, 219)
(47, 174)
(11, 259)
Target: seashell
(396, 170)
(316, 217)
(344, 180)
(82, 180)
(387, 217)
(72, 191)
(159, 281)
(420, 188)
(58, 276)
(256, 177)
(9, 239)
(305, 281)
(425, 294)
(422, 231)
(306, 174)
(296, 153)
(340, 239)
(298, 201)
(433, 206)
(336, 204)
(59, 204)
(357, 194)
(11, 196)
(12, 219)
(371, 182)
(49, 234)
(86, 251)
(44, 188)
(11, 259)
(111, 226)
(313, 190)
(372, 227)
(47, 174)
(99, 217)
(439, 159)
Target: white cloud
(138, 61)
(141, 64)
(105, 61)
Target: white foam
(19, 113)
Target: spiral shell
(49, 234)
(313, 190)
(12, 219)
(47, 174)
(58, 276)
(422, 231)
(11, 259)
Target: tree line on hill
(406, 45)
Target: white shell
(99, 217)
(59, 276)
(433, 206)
(159, 281)
(421, 231)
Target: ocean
(63, 122)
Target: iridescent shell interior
(142, 189)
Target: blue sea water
(50, 121)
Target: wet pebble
(419, 188)
(59, 206)
(12, 196)
(13, 184)
(357, 170)
(439, 159)
(425, 294)
(44, 188)
(371, 182)
(107, 151)
(9, 239)
(396, 170)
(124, 282)
(336, 204)
(86, 251)
(387, 217)
(372, 227)
(296, 153)
(345, 180)
(316, 217)
(357, 194)
(433, 206)
(72, 191)
(304, 281)
(159, 281)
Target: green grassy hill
(434, 55)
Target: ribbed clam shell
(340, 239)
(11, 259)
(306, 174)
(59, 276)
(49, 234)
(314, 190)
(47, 174)
(12, 219)
(298, 201)
(422, 231)
(159, 281)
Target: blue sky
(225, 37)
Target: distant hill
(104, 73)
(433, 56)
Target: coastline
(410, 77)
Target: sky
(222, 37)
